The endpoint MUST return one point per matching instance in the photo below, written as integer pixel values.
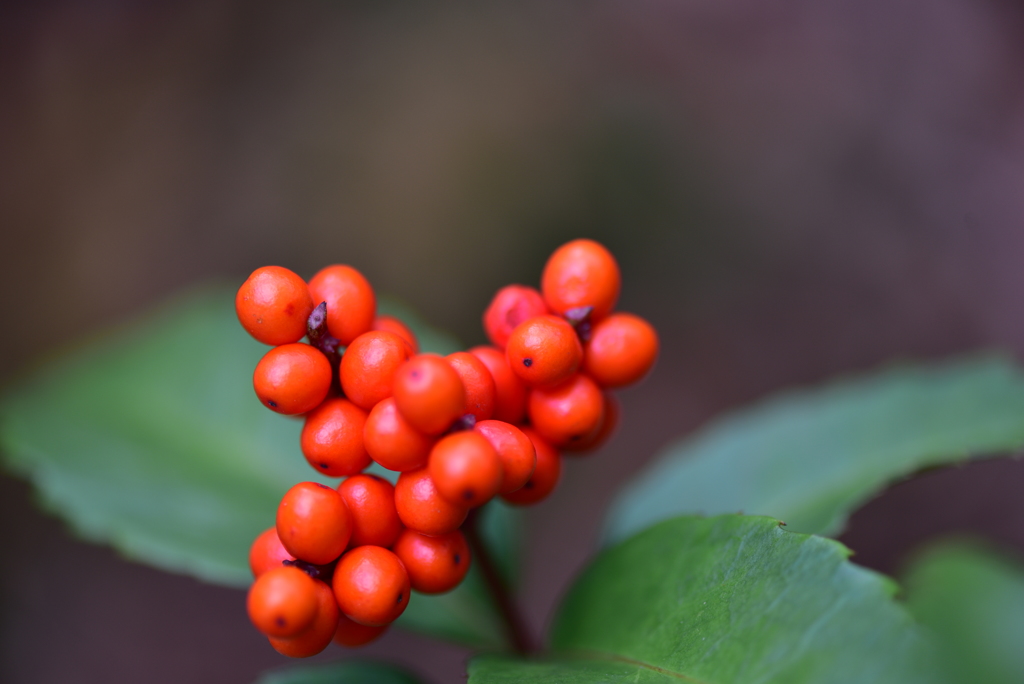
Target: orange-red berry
(581, 273)
(392, 324)
(569, 412)
(435, 564)
(422, 508)
(371, 585)
(369, 364)
(351, 303)
(351, 634)
(314, 523)
(478, 383)
(392, 442)
(292, 379)
(516, 451)
(267, 552)
(273, 305)
(512, 305)
(621, 350)
(465, 468)
(609, 422)
(544, 351)
(429, 393)
(282, 602)
(318, 635)
(332, 438)
(371, 500)
(545, 475)
(510, 390)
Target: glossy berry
(371, 500)
(273, 305)
(581, 273)
(369, 365)
(392, 324)
(314, 523)
(609, 422)
(511, 306)
(509, 389)
(545, 475)
(478, 383)
(392, 442)
(292, 379)
(569, 412)
(315, 638)
(429, 393)
(422, 508)
(351, 304)
(267, 552)
(332, 438)
(371, 585)
(621, 350)
(435, 564)
(282, 602)
(465, 468)
(515, 450)
(544, 351)
(351, 634)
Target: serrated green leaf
(342, 672)
(811, 457)
(724, 600)
(150, 438)
(972, 600)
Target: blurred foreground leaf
(343, 672)
(726, 599)
(972, 600)
(151, 439)
(811, 457)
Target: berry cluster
(460, 430)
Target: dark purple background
(794, 190)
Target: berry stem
(514, 623)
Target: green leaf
(811, 457)
(149, 437)
(972, 600)
(730, 599)
(342, 672)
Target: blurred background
(794, 190)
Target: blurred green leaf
(972, 600)
(150, 438)
(811, 457)
(343, 672)
(726, 599)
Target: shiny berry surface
(273, 305)
(371, 585)
(282, 602)
(422, 508)
(480, 390)
(313, 523)
(545, 477)
(544, 351)
(569, 412)
(621, 350)
(392, 442)
(315, 638)
(332, 438)
(578, 274)
(369, 365)
(509, 388)
(292, 379)
(351, 634)
(351, 303)
(512, 305)
(394, 325)
(435, 564)
(515, 450)
(429, 393)
(267, 552)
(371, 501)
(465, 468)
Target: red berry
(273, 305)
(511, 306)
(609, 422)
(544, 351)
(392, 324)
(429, 393)
(465, 468)
(369, 365)
(314, 523)
(267, 552)
(292, 379)
(516, 451)
(478, 383)
(581, 273)
(392, 441)
(371, 500)
(351, 634)
(282, 602)
(510, 390)
(422, 508)
(435, 564)
(567, 413)
(332, 438)
(371, 585)
(545, 476)
(351, 304)
(318, 635)
(621, 350)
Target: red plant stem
(518, 633)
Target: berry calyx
(273, 305)
(351, 303)
(314, 523)
(544, 351)
(371, 586)
(332, 438)
(292, 379)
(435, 564)
(465, 468)
(581, 273)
